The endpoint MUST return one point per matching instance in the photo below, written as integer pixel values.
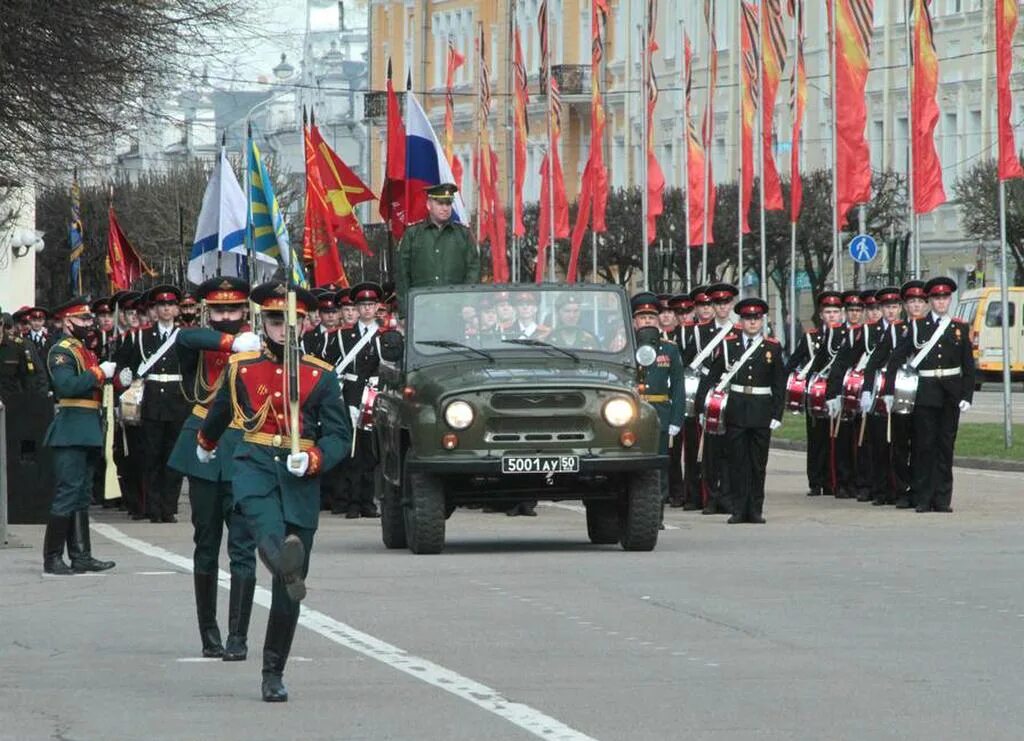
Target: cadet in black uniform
(696, 338)
(848, 431)
(164, 408)
(357, 498)
(752, 367)
(945, 390)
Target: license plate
(543, 464)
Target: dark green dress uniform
(20, 369)
(281, 509)
(436, 255)
(203, 356)
(756, 398)
(76, 437)
(946, 381)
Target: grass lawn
(973, 440)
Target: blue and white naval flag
(219, 246)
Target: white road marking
(156, 573)
(519, 714)
(970, 471)
(580, 509)
(197, 660)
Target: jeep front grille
(538, 429)
(537, 400)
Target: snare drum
(904, 390)
(853, 384)
(714, 411)
(878, 395)
(796, 389)
(691, 382)
(817, 392)
(365, 421)
(131, 403)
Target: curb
(982, 464)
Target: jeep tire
(424, 512)
(640, 511)
(602, 522)
(392, 518)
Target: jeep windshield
(575, 320)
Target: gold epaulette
(238, 357)
(66, 343)
(318, 362)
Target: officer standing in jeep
(437, 251)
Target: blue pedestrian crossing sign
(863, 248)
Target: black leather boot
(80, 545)
(276, 647)
(284, 559)
(239, 611)
(53, 546)
(206, 612)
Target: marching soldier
(682, 307)
(203, 354)
(750, 366)
(349, 312)
(695, 339)
(662, 381)
(37, 334)
(814, 355)
(358, 367)
(20, 369)
(939, 346)
(106, 349)
(278, 492)
(76, 437)
(164, 409)
(437, 251)
(322, 341)
(850, 352)
(668, 323)
(129, 445)
(188, 310)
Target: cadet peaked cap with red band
(853, 300)
(752, 308)
(913, 289)
(343, 298)
(272, 297)
(366, 292)
(526, 297)
(644, 303)
(664, 302)
(941, 286)
(188, 300)
(224, 290)
(830, 298)
(163, 295)
(721, 292)
(888, 295)
(36, 312)
(700, 296)
(868, 297)
(681, 302)
(102, 306)
(75, 307)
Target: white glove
(865, 402)
(108, 367)
(125, 377)
(834, 407)
(775, 424)
(204, 455)
(888, 402)
(965, 406)
(701, 420)
(298, 464)
(673, 430)
(246, 342)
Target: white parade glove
(701, 420)
(125, 377)
(888, 402)
(108, 367)
(965, 406)
(834, 407)
(246, 342)
(204, 455)
(673, 430)
(775, 424)
(298, 463)
(865, 402)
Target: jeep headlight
(458, 415)
(618, 412)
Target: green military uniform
(281, 507)
(203, 356)
(76, 436)
(20, 370)
(436, 254)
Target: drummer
(696, 337)
(849, 483)
(751, 369)
(813, 354)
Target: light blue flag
(269, 234)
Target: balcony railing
(375, 106)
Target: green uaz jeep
(499, 397)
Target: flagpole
(705, 137)
(510, 138)
(794, 153)
(836, 268)
(249, 246)
(551, 147)
(759, 111)
(915, 267)
(739, 178)
(1004, 296)
(686, 155)
(479, 131)
(644, 134)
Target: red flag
(773, 47)
(319, 244)
(499, 227)
(709, 196)
(455, 60)
(797, 104)
(928, 190)
(551, 180)
(342, 189)
(694, 162)
(1006, 25)
(748, 107)
(393, 198)
(522, 132)
(853, 23)
(655, 177)
(124, 266)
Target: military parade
(723, 448)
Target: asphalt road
(988, 404)
(836, 620)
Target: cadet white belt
(940, 373)
(751, 390)
(349, 377)
(164, 378)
